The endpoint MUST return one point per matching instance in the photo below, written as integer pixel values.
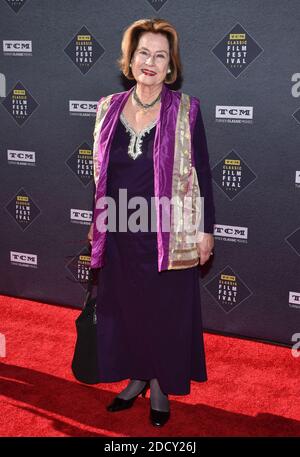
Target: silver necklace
(145, 106)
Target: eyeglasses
(144, 55)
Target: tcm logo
(21, 157)
(296, 346)
(234, 113)
(230, 231)
(294, 299)
(17, 47)
(297, 178)
(81, 216)
(82, 107)
(24, 259)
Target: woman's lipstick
(148, 72)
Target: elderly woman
(150, 142)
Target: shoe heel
(144, 391)
(119, 403)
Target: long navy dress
(149, 322)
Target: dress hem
(123, 378)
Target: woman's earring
(130, 64)
(169, 70)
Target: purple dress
(149, 322)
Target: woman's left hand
(205, 247)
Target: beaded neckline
(135, 144)
(143, 131)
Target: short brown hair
(131, 38)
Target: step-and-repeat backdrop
(242, 60)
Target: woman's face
(151, 58)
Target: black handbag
(85, 358)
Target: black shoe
(120, 403)
(158, 418)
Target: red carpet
(253, 388)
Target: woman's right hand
(90, 234)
